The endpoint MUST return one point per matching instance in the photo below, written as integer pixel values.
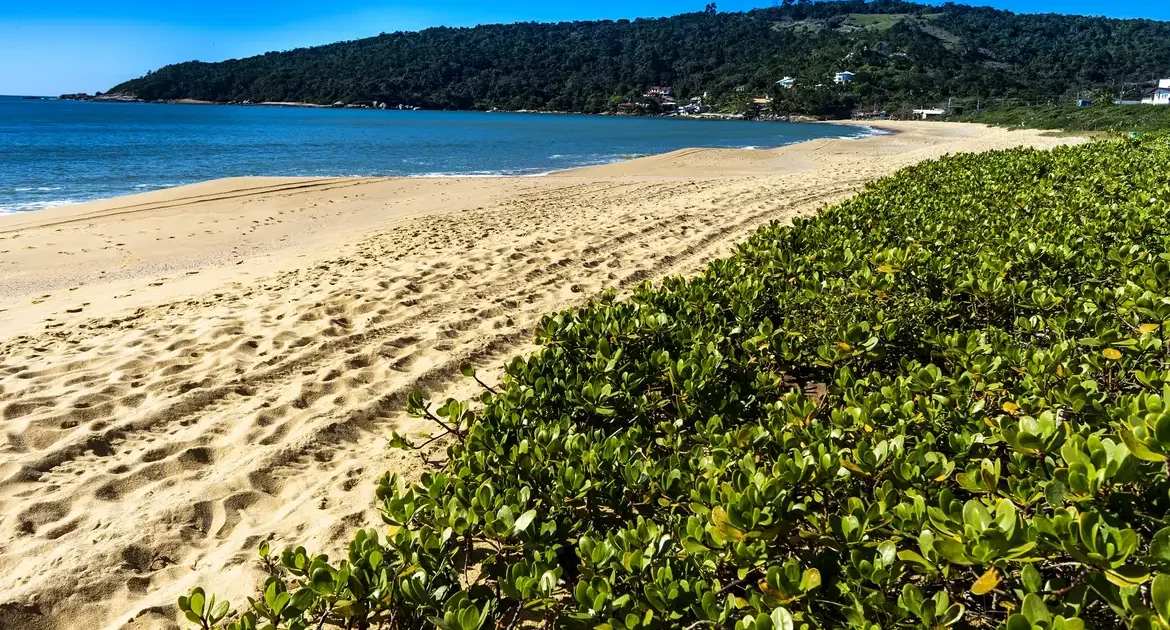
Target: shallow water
(54, 153)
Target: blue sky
(55, 46)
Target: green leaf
(1031, 579)
(1034, 609)
(1160, 596)
(322, 581)
(809, 580)
(914, 557)
(524, 521)
(1018, 622)
(196, 601)
(782, 619)
(1137, 447)
(1160, 546)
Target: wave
(865, 131)
(27, 206)
(481, 174)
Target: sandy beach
(186, 372)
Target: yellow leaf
(768, 590)
(1111, 353)
(854, 467)
(986, 582)
(1148, 328)
(1127, 577)
(1011, 407)
(887, 269)
(1059, 370)
(723, 525)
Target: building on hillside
(659, 90)
(1084, 102)
(843, 77)
(927, 113)
(1161, 94)
(786, 82)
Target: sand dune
(186, 372)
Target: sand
(186, 372)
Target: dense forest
(902, 53)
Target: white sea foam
(26, 206)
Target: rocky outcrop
(113, 97)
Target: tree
(957, 51)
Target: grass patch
(876, 21)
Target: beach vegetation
(1100, 117)
(943, 403)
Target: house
(761, 101)
(1084, 102)
(843, 77)
(1161, 95)
(659, 90)
(926, 113)
(786, 82)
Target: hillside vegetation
(902, 53)
(1071, 118)
(941, 403)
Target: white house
(926, 113)
(786, 82)
(1161, 95)
(843, 77)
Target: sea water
(54, 153)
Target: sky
(50, 47)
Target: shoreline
(189, 371)
(864, 129)
(123, 98)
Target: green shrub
(1104, 117)
(939, 404)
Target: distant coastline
(130, 98)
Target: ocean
(54, 153)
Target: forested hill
(902, 52)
